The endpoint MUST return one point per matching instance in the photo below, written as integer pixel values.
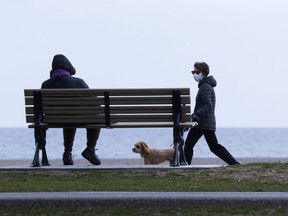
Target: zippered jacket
(204, 111)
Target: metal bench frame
(108, 108)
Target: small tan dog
(153, 155)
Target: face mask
(197, 77)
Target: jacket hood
(209, 80)
(61, 62)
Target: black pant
(69, 135)
(195, 134)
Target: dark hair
(203, 67)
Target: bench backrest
(108, 107)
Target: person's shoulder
(77, 79)
(208, 82)
(80, 80)
(45, 83)
(205, 88)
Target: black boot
(67, 158)
(90, 155)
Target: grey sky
(152, 43)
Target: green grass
(146, 210)
(255, 177)
(250, 177)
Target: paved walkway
(106, 164)
(129, 163)
(75, 167)
(142, 198)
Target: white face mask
(198, 77)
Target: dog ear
(144, 148)
(144, 145)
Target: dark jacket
(64, 82)
(204, 111)
(60, 62)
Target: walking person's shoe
(90, 155)
(67, 158)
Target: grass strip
(140, 210)
(254, 177)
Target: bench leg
(175, 161)
(44, 162)
(179, 156)
(182, 159)
(35, 162)
(44, 158)
(40, 143)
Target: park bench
(108, 108)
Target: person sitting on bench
(61, 77)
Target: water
(18, 143)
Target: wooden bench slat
(101, 118)
(112, 92)
(114, 118)
(113, 110)
(62, 120)
(148, 124)
(68, 110)
(100, 101)
(117, 125)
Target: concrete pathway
(142, 198)
(75, 167)
(106, 164)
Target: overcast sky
(152, 43)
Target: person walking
(204, 115)
(61, 76)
